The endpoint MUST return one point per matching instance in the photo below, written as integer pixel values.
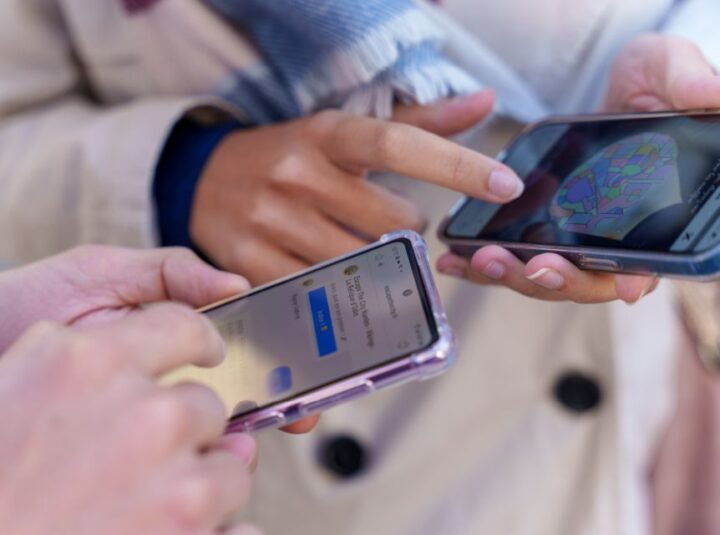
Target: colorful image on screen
(607, 195)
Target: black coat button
(577, 392)
(343, 455)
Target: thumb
(450, 116)
(138, 277)
(691, 81)
(189, 280)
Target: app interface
(331, 323)
(649, 183)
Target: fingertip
(504, 185)
(305, 425)
(480, 102)
(698, 92)
(549, 261)
(232, 283)
(191, 280)
(243, 446)
(448, 116)
(550, 271)
(217, 347)
(487, 254)
(494, 262)
(632, 288)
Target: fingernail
(505, 184)
(244, 447)
(236, 283)
(650, 287)
(453, 271)
(494, 270)
(548, 278)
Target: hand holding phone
(92, 444)
(617, 193)
(651, 73)
(335, 332)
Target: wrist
(180, 167)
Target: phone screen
(359, 313)
(643, 183)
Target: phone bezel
(698, 266)
(425, 362)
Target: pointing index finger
(361, 142)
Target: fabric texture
(360, 56)
(484, 449)
(179, 168)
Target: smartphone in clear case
(632, 193)
(337, 331)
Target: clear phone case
(419, 366)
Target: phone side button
(271, 421)
(340, 397)
(600, 264)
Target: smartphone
(337, 331)
(634, 193)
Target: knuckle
(293, 175)
(240, 256)
(262, 219)
(288, 170)
(460, 169)
(76, 350)
(389, 142)
(324, 122)
(82, 358)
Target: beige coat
(87, 97)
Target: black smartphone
(635, 193)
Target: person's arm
(72, 170)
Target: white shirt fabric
(484, 449)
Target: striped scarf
(359, 55)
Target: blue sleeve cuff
(178, 171)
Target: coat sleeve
(72, 171)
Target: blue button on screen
(322, 322)
(279, 380)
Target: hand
(90, 284)
(662, 72)
(93, 284)
(651, 73)
(91, 444)
(274, 200)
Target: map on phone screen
(609, 194)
